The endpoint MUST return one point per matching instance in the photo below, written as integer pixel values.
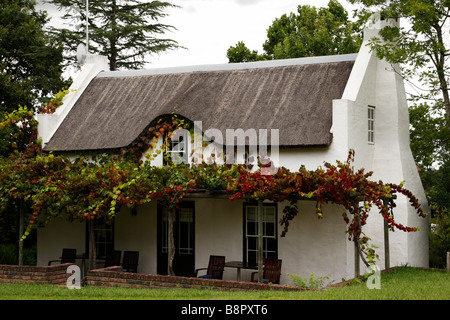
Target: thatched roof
(294, 96)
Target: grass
(400, 284)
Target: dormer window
(178, 146)
(371, 124)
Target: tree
(30, 65)
(429, 135)
(311, 32)
(30, 72)
(240, 53)
(118, 29)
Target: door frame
(161, 257)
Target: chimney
(377, 22)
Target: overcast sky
(207, 28)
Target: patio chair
(271, 271)
(130, 261)
(215, 268)
(68, 256)
(113, 258)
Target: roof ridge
(230, 66)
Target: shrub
(439, 241)
(8, 255)
(311, 282)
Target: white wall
(138, 233)
(219, 231)
(314, 245)
(59, 234)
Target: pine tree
(121, 30)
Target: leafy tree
(439, 194)
(30, 65)
(309, 32)
(429, 135)
(118, 29)
(240, 53)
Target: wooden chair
(215, 268)
(68, 256)
(130, 261)
(113, 258)
(271, 271)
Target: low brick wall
(56, 274)
(113, 277)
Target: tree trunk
(260, 241)
(387, 256)
(440, 57)
(171, 243)
(21, 222)
(112, 40)
(92, 252)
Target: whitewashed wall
(55, 236)
(377, 83)
(138, 233)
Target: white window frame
(371, 124)
(177, 148)
(250, 216)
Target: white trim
(230, 66)
(371, 124)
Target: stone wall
(113, 277)
(55, 274)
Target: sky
(207, 28)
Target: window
(270, 239)
(371, 124)
(104, 237)
(177, 147)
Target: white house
(321, 106)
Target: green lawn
(401, 284)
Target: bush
(439, 241)
(8, 255)
(310, 282)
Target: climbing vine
(20, 127)
(338, 184)
(146, 144)
(85, 189)
(55, 102)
